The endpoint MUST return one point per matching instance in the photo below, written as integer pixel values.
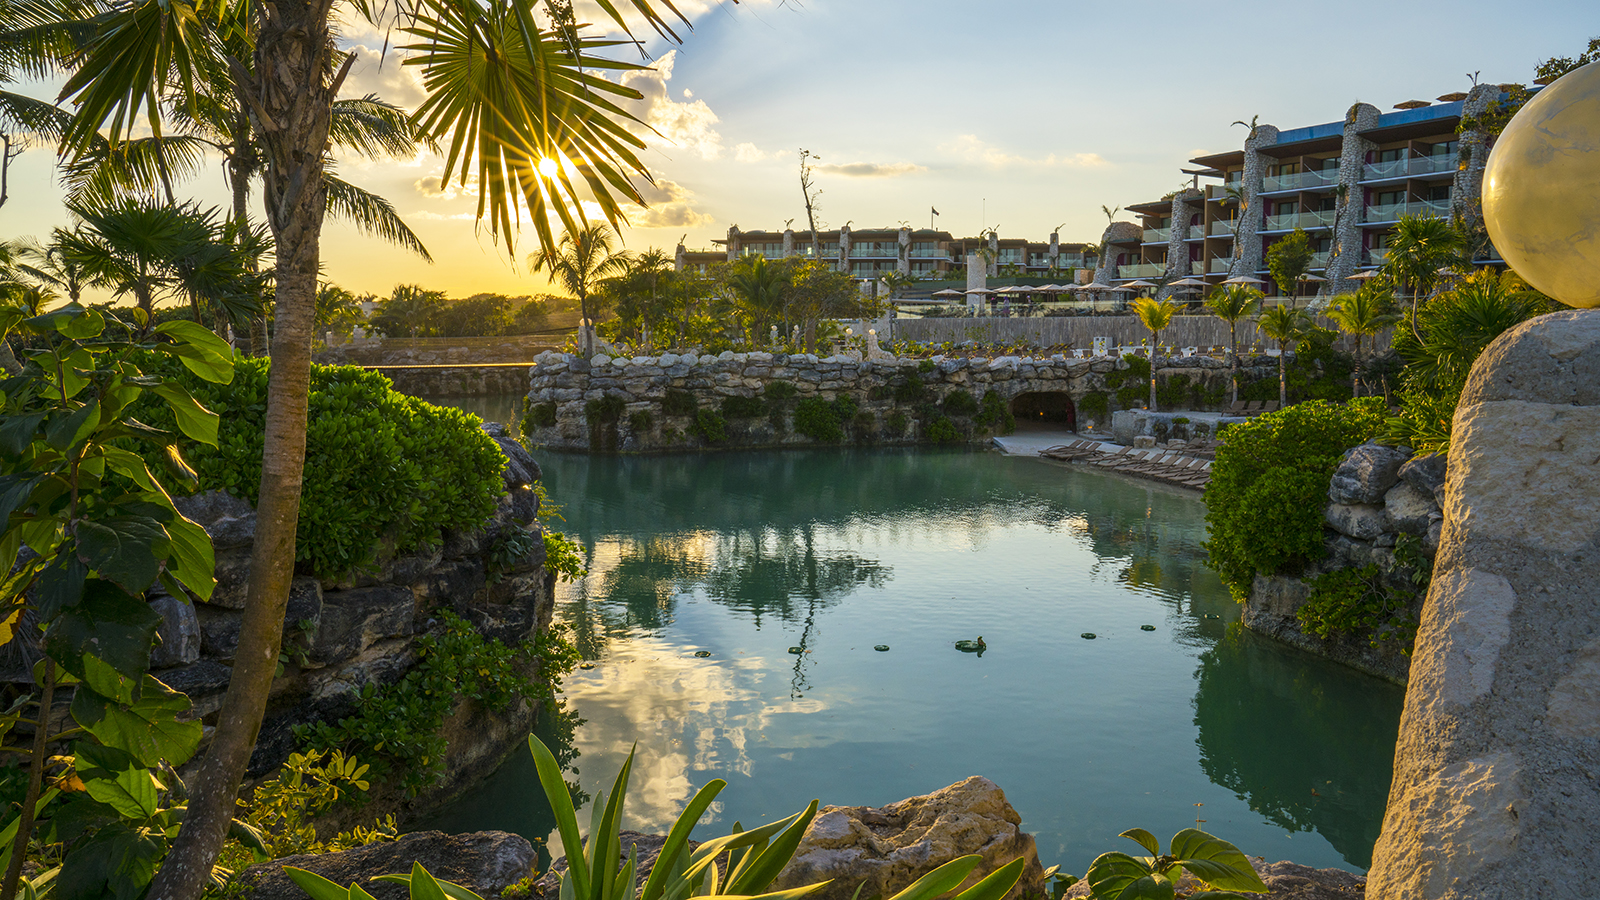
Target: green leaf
(193, 560)
(942, 880)
(423, 885)
(760, 873)
(251, 837)
(60, 586)
(107, 626)
(604, 846)
(73, 321)
(126, 549)
(318, 887)
(116, 779)
(997, 883)
(130, 465)
(1216, 862)
(678, 838)
(17, 432)
(149, 728)
(1144, 839)
(451, 890)
(117, 863)
(555, 790)
(205, 354)
(193, 420)
(66, 431)
(1150, 887)
(14, 493)
(1111, 873)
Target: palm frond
(374, 127)
(142, 167)
(372, 214)
(23, 113)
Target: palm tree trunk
(1283, 379)
(292, 59)
(1355, 390)
(1155, 340)
(1233, 342)
(239, 182)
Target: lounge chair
(1252, 408)
(1237, 409)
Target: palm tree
(578, 262)
(1419, 246)
(525, 109)
(1362, 314)
(1156, 315)
(1286, 325)
(1231, 304)
(760, 287)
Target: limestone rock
(179, 633)
(887, 849)
(521, 468)
(486, 862)
(1411, 510)
(232, 573)
(205, 682)
(1426, 473)
(354, 620)
(1363, 522)
(1367, 473)
(219, 626)
(230, 521)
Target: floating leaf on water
(587, 666)
(796, 651)
(702, 653)
(881, 648)
(1087, 635)
(1147, 628)
(970, 646)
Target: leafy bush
(1173, 391)
(996, 414)
(1218, 864)
(1095, 405)
(281, 812)
(1134, 396)
(926, 366)
(943, 431)
(1138, 372)
(743, 407)
(1350, 601)
(1269, 485)
(604, 410)
(641, 420)
(539, 415)
(779, 391)
(960, 403)
(821, 420)
(563, 556)
(379, 465)
(1180, 420)
(895, 425)
(910, 389)
(679, 403)
(881, 392)
(709, 425)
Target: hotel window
(1393, 154)
(1387, 198)
(1445, 148)
(1438, 192)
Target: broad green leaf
(117, 863)
(1111, 873)
(603, 843)
(1216, 862)
(1144, 839)
(1150, 887)
(772, 860)
(423, 885)
(73, 321)
(942, 880)
(622, 888)
(211, 358)
(149, 729)
(107, 626)
(678, 838)
(555, 790)
(997, 883)
(790, 894)
(17, 432)
(194, 420)
(451, 890)
(179, 468)
(193, 560)
(116, 779)
(710, 850)
(130, 465)
(251, 837)
(318, 887)
(14, 493)
(126, 549)
(60, 585)
(65, 431)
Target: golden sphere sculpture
(1541, 190)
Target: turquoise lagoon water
(745, 555)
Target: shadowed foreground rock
(887, 849)
(486, 862)
(1284, 880)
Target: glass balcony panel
(1157, 235)
(1300, 180)
(1142, 270)
(1386, 169)
(1222, 228)
(1391, 212)
(1289, 221)
(1221, 265)
(1197, 267)
(1196, 232)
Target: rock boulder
(486, 862)
(887, 849)
(1367, 473)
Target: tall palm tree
(511, 93)
(578, 262)
(760, 287)
(1419, 246)
(1232, 303)
(1367, 311)
(1156, 316)
(1286, 325)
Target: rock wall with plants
(673, 402)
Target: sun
(548, 167)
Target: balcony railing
(1375, 256)
(929, 253)
(1222, 228)
(1289, 221)
(1157, 235)
(1142, 270)
(1196, 232)
(1391, 212)
(1221, 265)
(1197, 267)
(1319, 259)
(1300, 180)
(1416, 165)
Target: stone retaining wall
(458, 381)
(1377, 494)
(569, 392)
(440, 351)
(1080, 331)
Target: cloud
(969, 148)
(434, 188)
(676, 124)
(872, 170)
(375, 72)
(671, 206)
(749, 153)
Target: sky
(1020, 116)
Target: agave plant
(1225, 871)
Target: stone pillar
(977, 280)
(677, 259)
(1247, 238)
(1495, 791)
(994, 254)
(788, 242)
(905, 252)
(844, 249)
(1055, 250)
(1184, 204)
(733, 243)
(1347, 232)
(1116, 231)
(1466, 192)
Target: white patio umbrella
(948, 292)
(1191, 282)
(1365, 274)
(1244, 279)
(1139, 283)
(1309, 277)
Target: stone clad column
(1466, 192)
(1185, 203)
(1496, 790)
(788, 242)
(1347, 230)
(1055, 250)
(844, 250)
(994, 254)
(733, 243)
(677, 258)
(904, 268)
(1247, 239)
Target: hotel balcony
(1142, 270)
(1406, 168)
(1391, 212)
(1221, 265)
(1222, 228)
(1291, 221)
(1196, 267)
(1196, 233)
(1156, 235)
(930, 254)
(1299, 181)
(1319, 259)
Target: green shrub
(926, 366)
(943, 431)
(822, 420)
(1350, 601)
(679, 403)
(881, 392)
(960, 403)
(865, 425)
(641, 420)
(779, 391)
(539, 415)
(743, 407)
(380, 466)
(1269, 485)
(1138, 371)
(1180, 420)
(995, 413)
(710, 426)
(895, 425)
(910, 390)
(1095, 405)
(563, 556)
(1172, 391)
(1134, 396)
(604, 410)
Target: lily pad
(1087, 635)
(881, 648)
(970, 646)
(587, 666)
(702, 653)
(1147, 628)
(796, 651)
